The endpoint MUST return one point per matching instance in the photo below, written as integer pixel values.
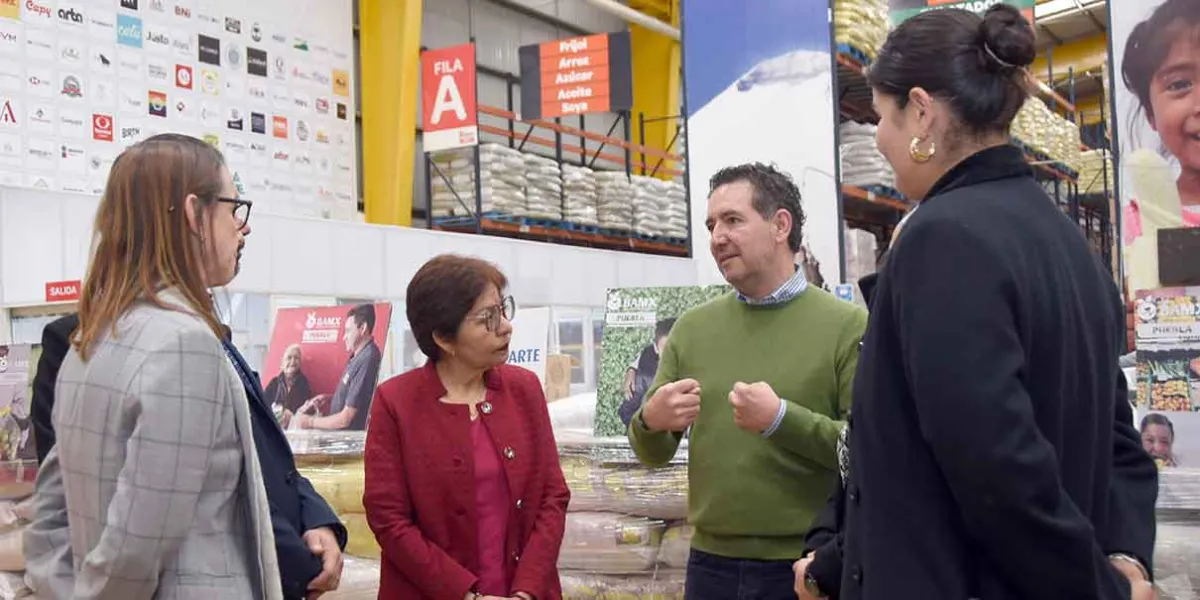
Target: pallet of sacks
(333, 462)
(659, 207)
(502, 181)
(619, 520)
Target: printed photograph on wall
(16, 429)
(1167, 325)
(637, 322)
(1156, 61)
(759, 88)
(322, 365)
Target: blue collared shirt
(790, 290)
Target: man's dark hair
(663, 328)
(364, 314)
(773, 190)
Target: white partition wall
(45, 237)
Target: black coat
(992, 451)
(295, 506)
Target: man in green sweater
(762, 377)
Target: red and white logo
(63, 291)
(183, 77)
(102, 128)
(279, 127)
(8, 115)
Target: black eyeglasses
(490, 316)
(241, 210)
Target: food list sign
(1168, 349)
(576, 76)
(902, 10)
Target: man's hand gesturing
(673, 407)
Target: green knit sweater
(752, 497)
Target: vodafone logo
(102, 128)
(183, 77)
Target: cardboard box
(558, 376)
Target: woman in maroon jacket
(463, 487)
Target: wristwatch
(811, 586)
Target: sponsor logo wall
(268, 83)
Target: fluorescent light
(1061, 8)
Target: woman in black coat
(992, 453)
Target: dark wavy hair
(773, 190)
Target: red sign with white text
(63, 291)
(448, 103)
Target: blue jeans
(711, 577)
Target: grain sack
(626, 488)
(662, 585)
(610, 543)
(676, 546)
(361, 540)
(12, 554)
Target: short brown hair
(143, 241)
(442, 293)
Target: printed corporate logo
(258, 123)
(129, 4)
(322, 106)
(256, 32)
(279, 127)
(341, 111)
(158, 38)
(37, 9)
(233, 56)
(210, 50)
(129, 31)
(10, 9)
(71, 87)
(158, 5)
(102, 127)
(235, 121)
(183, 12)
(183, 77)
(157, 102)
(341, 82)
(256, 62)
(233, 25)
(71, 16)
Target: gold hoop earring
(919, 156)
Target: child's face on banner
(1175, 99)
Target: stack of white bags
(659, 207)
(580, 195)
(502, 176)
(862, 163)
(543, 188)
(615, 203)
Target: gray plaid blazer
(153, 489)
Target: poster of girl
(1156, 47)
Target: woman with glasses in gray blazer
(154, 460)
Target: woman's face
(1157, 440)
(291, 361)
(1175, 100)
(894, 136)
(483, 336)
(226, 235)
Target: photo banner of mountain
(758, 84)
(901, 10)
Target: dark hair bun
(1008, 36)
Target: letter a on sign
(448, 106)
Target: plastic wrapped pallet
(611, 543)
(1095, 172)
(314, 448)
(580, 195)
(340, 485)
(675, 223)
(676, 546)
(661, 585)
(604, 475)
(650, 204)
(360, 580)
(361, 542)
(861, 249)
(543, 188)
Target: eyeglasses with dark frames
(490, 316)
(241, 209)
